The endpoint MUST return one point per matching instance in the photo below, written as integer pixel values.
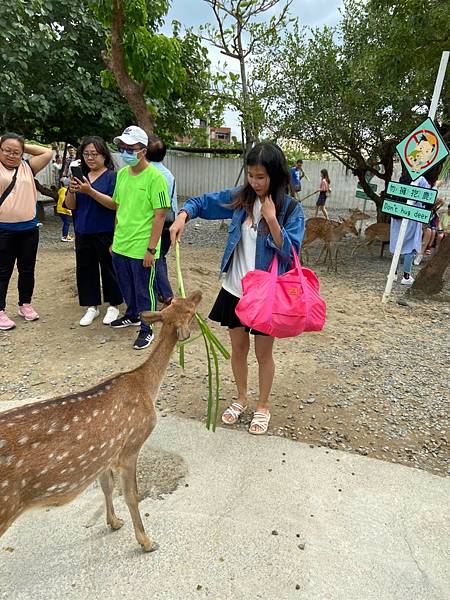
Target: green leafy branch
(212, 346)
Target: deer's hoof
(150, 546)
(115, 523)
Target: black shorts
(321, 199)
(224, 312)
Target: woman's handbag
(282, 305)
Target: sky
(192, 13)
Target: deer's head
(178, 314)
(358, 215)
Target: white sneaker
(111, 315)
(418, 259)
(91, 314)
(408, 281)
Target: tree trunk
(430, 280)
(131, 90)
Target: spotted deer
(331, 233)
(375, 232)
(51, 451)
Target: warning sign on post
(422, 149)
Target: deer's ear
(195, 297)
(151, 317)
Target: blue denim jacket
(215, 205)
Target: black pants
(20, 246)
(92, 252)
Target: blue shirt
(90, 216)
(295, 177)
(217, 206)
(171, 185)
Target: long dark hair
(101, 147)
(10, 135)
(271, 157)
(324, 174)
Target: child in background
(323, 192)
(64, 213)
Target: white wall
(197, 175)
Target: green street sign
(411, 192)
(406, 211)
(360, 193)
(422, 149)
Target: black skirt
(321, 199)
(224, 312)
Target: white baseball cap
(132, 135)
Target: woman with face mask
(19, 232)
(94, 211)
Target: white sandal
(260, 420)
(235, 411)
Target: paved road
(259, 518)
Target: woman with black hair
(19, 231)
(93, 211)
(264, 221)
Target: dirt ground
(375, 381)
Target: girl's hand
(74, 186)
(177, 228)
(84, 186)
(268, 211)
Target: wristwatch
(152, 251)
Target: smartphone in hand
(77, 172)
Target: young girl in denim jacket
(264, 221)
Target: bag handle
(9, 188)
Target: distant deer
(51, 451)
(331, 233)
(375, 232)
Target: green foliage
(50, 64)
(173, 71)
(355, 91)
(242, 34)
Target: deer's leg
(324, 249)
(130, 491)
(107, 483)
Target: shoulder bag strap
(9, 188)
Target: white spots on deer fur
(35, 411)
(2, 443)
(23, 440)
(91, 448)
(75, 419)
(88, 419)
(35, 427)
(4, 484)
(82, 455)
(103, 445)
(129, 418)
(10, 424)
(104, 453)
(63, 403)
(51, 455)
(51, 430)
(60, 457)
(44, 471)
(131, 430)
(66, 428)
(52, 488)
(19, 463)
(5, 498)
(19, 416)
(9, 459)
(35, 445)
(72, 470)
(80, 435)
(95, 413)
(37, 485)
(23, 483)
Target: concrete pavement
(259, 518)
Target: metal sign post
(401, 234)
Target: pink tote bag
(282, 305)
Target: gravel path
(376, 381)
